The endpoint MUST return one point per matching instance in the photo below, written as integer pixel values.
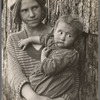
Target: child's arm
(42, 39)
(59, 62)
(23, 43)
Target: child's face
(64, 35)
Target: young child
(57, 75)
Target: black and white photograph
(49, 49)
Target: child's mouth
(60, 42)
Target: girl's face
(30, 12)
(64, 35)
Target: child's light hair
(72, 21)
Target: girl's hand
(59, 99)
(38, 97)
(23, 43)
(28, 93)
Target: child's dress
(57, 76)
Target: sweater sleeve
(60, 61)
(16, 78)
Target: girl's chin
(33, 25)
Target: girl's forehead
(28, 3)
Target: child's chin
(61, 46)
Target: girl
(21, 63)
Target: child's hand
(44, 53)
(23, 43)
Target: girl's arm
(16, 79)
(31, 95)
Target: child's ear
(84, 34)
(53, 31)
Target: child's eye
(60, 32)
(69, 35)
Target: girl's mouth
(32, 21)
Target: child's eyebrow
(68, 33)
(59, 30)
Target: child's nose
(63, 37)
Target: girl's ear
(44, 13)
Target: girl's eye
(35, 7)
(24, 10)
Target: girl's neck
(32, 31)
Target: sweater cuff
(21, 85)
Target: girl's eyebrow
(23, 9)
(30, 7)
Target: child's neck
(70, 48)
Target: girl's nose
(31, 13)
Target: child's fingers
(45, 48)
(48, 50)
(20, 44)
(24, 47)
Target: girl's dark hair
(16, 10)
(72, 21)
